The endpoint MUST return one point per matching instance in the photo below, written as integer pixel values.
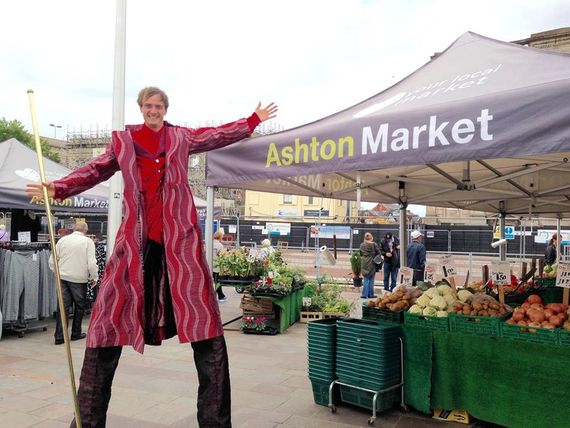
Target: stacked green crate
(321, 355)
(368, 356)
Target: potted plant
(355, 264)
(256, 325)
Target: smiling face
(153, 111)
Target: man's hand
(36, 189)
(388, 254)
(266, 113)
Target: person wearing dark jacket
(417, 256)
(550, 253)
(390, 249)
(368, 250)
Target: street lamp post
(55, 130)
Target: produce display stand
(288, 308)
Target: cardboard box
(456, 415)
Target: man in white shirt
(77, 268)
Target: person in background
(266, 249)
(77, 268)
(417, 256)
(368, 250)
(4, 236)
(550, 252)
(390, 249)
(218, 247)
(157, 282)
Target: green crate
(363, 382)
(486, 326)
(564, 336)
(367, 343)
(322, 362)
(422, 321)
(319, 350)
(530, 334)
(322, 374)
(363, 399)
(321, 392)
(371, 313)
(383, 365)
(376, 327)
(328, 324)
(373, 380)
(545, 281)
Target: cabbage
(438, 302)
(416, 309)
(444, 289)
(441, 314)
(450, 299)
(429, 311)
(431, 292)
(464, 295)
(423, 300)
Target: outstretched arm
(266, 113)
(205, 139)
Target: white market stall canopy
(485, 121)
(19, 166)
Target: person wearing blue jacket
(417, 256)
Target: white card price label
(406, 276)
(448, 266)
(563, 275)
(501, 273)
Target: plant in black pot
(355, 264)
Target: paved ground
(270, 387)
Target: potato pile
(400, 300)
(480, 307)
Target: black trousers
(73, 292)
(214, 397)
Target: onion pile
(534, 313)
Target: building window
(288, 199)
(310, 200)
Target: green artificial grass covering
(418, 368)
(507, 382)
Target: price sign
(307, 301)
(501, 273)
(406, 276)
(563, 275)
(429, 273)
(448, 266)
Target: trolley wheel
(405, 409)
(333, 409)
(371, 420)
(44, 329)
(239, 290)
(20, 334)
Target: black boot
(214, 394)
(99, 367)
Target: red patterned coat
(118, 314)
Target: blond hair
(151, 91)
(218, 234)
(368, 236)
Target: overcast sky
(216, 59)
